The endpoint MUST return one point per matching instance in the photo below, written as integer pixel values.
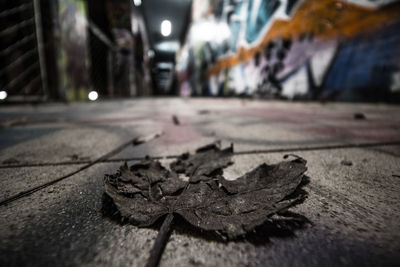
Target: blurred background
(81, 50)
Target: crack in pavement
(140, 140)
(248, 152)
(135, 142)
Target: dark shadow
(110, 211)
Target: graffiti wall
(347, 50)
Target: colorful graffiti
(299, 49)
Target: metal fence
(22, 70)
(61, 50)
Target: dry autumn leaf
(147, 191)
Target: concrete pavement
(353, 166)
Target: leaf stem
(161, 241)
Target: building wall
(73, 57)
(297, 49)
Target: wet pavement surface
(53, 159)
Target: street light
(3, 95)
(166, 28)
(93, 95)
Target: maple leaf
(147, 191)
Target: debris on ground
(10, 161)
(76, 157)
(175, 120)
(147, 191)
(13, 122)
(359, 116)
(203, 112)
(346, 163)
(144, 139)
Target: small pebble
(346, 162)
(359, 116)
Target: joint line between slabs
(249, 152)
(135, 141)
(277, 150)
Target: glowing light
(150, 53)
(166, 28)
(168, 46)
(93, 95)
(3, 95)
(207, 31)
(137, 2)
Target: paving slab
(16, 180)
(68, 144)
(353, 209)
(353, 192)
(258, 125)
(66, 227)
(74, 130)
(364, 193)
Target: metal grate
(22, 73)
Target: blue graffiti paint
(364, 66)
(264, 14)
(235, 27)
